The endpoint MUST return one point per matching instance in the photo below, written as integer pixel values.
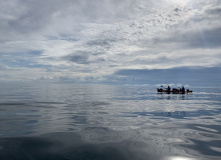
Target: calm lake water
(108, 122)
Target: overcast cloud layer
(85, 39)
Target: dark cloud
(79, 59)
(215, 10)
(35, 15)
(211, 37)
(35, 52)
(197, 38)
(177, 10)
(101, 42)
(84, 57)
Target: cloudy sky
(98, 40)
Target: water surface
(97, 122)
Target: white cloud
(97, 38)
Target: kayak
(174, 91)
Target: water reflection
(162, 96)
(107, 122)
(71, 146)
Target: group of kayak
(174, 90)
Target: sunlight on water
(180, 158)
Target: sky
(108, 40)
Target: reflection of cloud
(73, 146)
(138, 123)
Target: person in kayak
(183, 89)
(168, 89)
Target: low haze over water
(108, 122)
